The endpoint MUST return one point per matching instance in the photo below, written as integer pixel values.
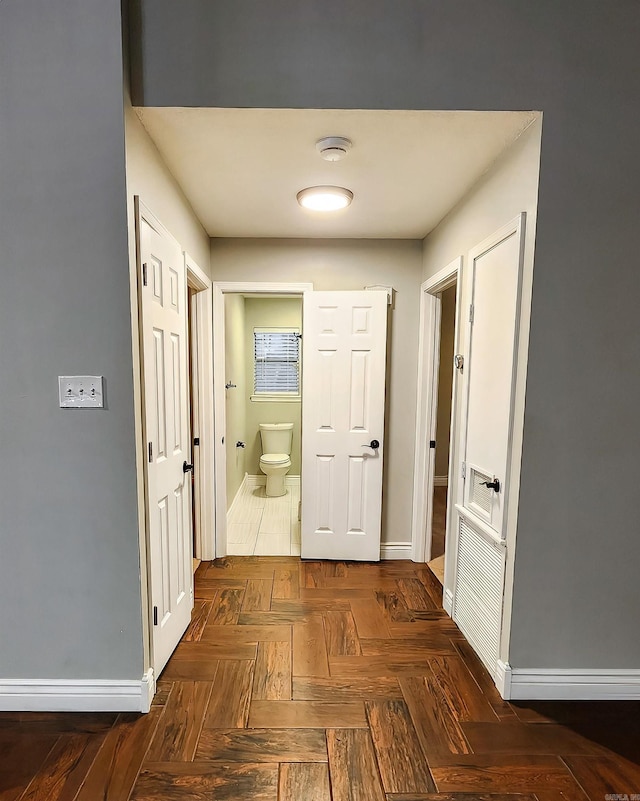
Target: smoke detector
(333, 148)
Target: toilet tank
(276, 437)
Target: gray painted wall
(576, 594)
(69, 558)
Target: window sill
(275, 398)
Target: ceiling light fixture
(324, 198)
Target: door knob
(186, 467)
(374, 445)
(494, 485)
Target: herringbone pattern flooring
(323, 682)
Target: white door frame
(220, 289)
(427, 407)
(202, 402)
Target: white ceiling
(242, 168)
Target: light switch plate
(81, 391)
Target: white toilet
(275, 461)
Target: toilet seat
(274, 459)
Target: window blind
(276, 362)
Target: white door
(489, 371)
(344, 348)
(163, 289)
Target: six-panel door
(343, 389)
(164, 328)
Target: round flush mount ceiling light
(333, 148)
(324, 198)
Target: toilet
(275, 461)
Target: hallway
(317, 681)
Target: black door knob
(494, 485)
(186, 467)
(374, 444)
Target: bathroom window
(276, 372)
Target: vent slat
(481, 495)
(478, 596)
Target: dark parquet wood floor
(323, 682)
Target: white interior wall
(353, 264)
(509, 188)
(149, 178)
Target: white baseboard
(67, 695)
(260, 481)
(395, 550)
(148, 690)
(503, 678)
(447, 602)
(238, 494)
(440, 481)
(523, 684)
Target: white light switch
(80, 391)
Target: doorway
(436, 416)
(443, 429)
(240, 495)
(263, 400)
(342, 422)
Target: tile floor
(261, 526)
(324, 681)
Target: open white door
(163, 291)
(343, 386)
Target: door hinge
(471, 310)
(144, 274)
(196, 440)
(155, 615)
(432, 443)
(150, 452)
(464, 470)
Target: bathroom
(263, 380)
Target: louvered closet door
(489, 368)
(343, 364)
(478, 597)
